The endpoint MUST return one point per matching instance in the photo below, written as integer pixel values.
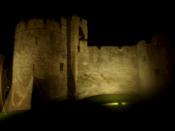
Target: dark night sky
(109, 23)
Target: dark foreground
(85, 114)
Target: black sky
(109, 23)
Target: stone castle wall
(140, 69)
(53, 60)
(108, 70)
(45, 61)
(40, 55)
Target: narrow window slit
(61, 67)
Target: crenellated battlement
(35, 24)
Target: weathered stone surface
(40, 49)
(55, 58)
(141, 69)
(108, 70)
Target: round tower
(39, 63)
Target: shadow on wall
(44, 92)
(39, 95)
(161, 103)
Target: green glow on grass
(112, 104)
(124, 103)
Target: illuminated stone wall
(45, 61)
(54, 58)
(140, 69)
(153, 60)
(108, 70)
(40, 55)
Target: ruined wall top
(39, 24)
(52, 25)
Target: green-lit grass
(111, 98)
(115, 101)
(5, 115)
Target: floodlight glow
(124, 103)
(112, 104)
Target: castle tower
(40, 57)
(77, 37)
(154, 72)
(45, 61)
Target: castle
(53, 58)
